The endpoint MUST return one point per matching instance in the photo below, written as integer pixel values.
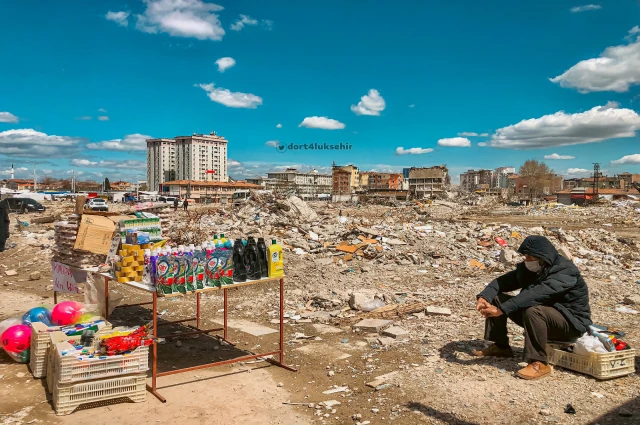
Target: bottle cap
(273, 241)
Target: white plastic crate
(41, 340)
(77, 368)
(598, 365)
(68, 397)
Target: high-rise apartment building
(200, 157)
(161, 162)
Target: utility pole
(73, 181)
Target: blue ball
(37, 314)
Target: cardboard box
(95, 234)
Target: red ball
(16, 339)
(66, 313)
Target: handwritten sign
(65, 279)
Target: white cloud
(370, 104)
(84, 118)
(611, 105)
(242, 22)
(225, 63)
(562, 129)
(412, 151)
(8, 117)
(324, 123)
(130, 164)
(412, 106)
(120, 18)
(628, 159)
(27, 142)
(103, 118)
(617, 69)
(472, 134)
(279, 126)
(182, 18)
(76, 172)
(556, 156)
(482, 144)
(82, 162)
(578, 171)
(232, 163)
(102, 110)
(135, 142)
(455, 142)
(578, 9)
(231, 99)
(272, 143)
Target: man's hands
(486, 309)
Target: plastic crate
(76, 368)
(41, 340)
(598, 365)
(68, 397)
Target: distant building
(120, 185)
(550, 185)
(428, 182)
(199, 157)
(305, 185)
(265, 182)
(20, 184)
(405, 173)
(338, 179)
(206, 192)
(485, 180)
(583, 195)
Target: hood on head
(539, 247)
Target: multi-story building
(265, 182)
(206, 191)
(338, 173)
(476, 179)
(306, 185)
(629, 180)
(527, 188)
(20, 184)
(405, 173)
(199, 157)
(501, 177)
(428, 182)
(396, 181)
(161, 162)
(120, 185)
(364, 179)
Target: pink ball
(66, 313)
(16, 339)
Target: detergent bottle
(239, 267)
(262, 256)
(276, 260)
(164, 277)
(252, 260)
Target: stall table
(196, 329)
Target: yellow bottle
(276, 261)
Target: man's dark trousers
(540, 323)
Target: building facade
(199, 157)
(428, 182)
(20, 184)
(338, 179)
(206, 191)
(305, 185)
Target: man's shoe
(493, 351)
(535, 370)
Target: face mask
(533, 266)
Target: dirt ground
(432, 377)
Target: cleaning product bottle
(252, 260)
(188, 272)
(199, 265)
(211, 269)
(178, 274)
(239, 268)
(262, 255)
(146, 273)
(276, 261)
(164, 277)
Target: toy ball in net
(37, 314)
(16, 339)
(66, 313)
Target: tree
(537, 176)
(107, 184)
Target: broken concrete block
(357, 300)
(372, 325)
(10, 272)
(34, 275)
(632, 300)
(397, 333)
(438, 311)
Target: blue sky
(82, 84)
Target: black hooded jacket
(4, 223)
(558, 285)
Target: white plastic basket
(68, 397)
(598, 365)
(41, 340)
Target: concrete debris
(438, 311)
(372, 325)
(10, 272)
(396, 333)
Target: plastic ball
(85, 317)
(37, 314)
(21, 357)
(16, 339)
(66, 313)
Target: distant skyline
(467, 84)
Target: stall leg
(154, 352)
(225, 314)
(281, 321)
(55, 297)
(106, 298)
(198, 310)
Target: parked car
(22, 205)
(167, 199)
(97, 204)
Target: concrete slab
(326, 329)
(397, 333)
(246, 326)
(438, 311)
(372, 325)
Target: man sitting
(553, 304)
